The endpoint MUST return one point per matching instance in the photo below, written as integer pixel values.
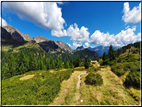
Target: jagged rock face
(80, 47)
(6, 39)
(16, 35)
(49, 46)
(39, 39)
(46, 44)
(27, 37)
(64, 46)
(5, 35)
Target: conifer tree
(111, 53)
(52, 63)
(105, 60)
(58, 62)
(41, 64)
(5, 71)
(11, 64)
(32, 62)
(22, 63)
(86, 63)
(48, 65)
(77, 61)
(71, 63)
(66, 62)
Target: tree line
(25, 62)
(107, 58)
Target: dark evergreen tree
(22, 63)
(105, 59)
(86, 63)
(77, 61)
(5, 71)
(66, 62)
(42, 65)
(111, 53)
(48, 65)
(52, 63)
(71, 63)
(32, 62)
(58, 62)
(10, 64)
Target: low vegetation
(39, 90)
(94, 79)
(126, 64)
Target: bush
(118, 69)
(133, 80)
(94, 79)
(93, 69)
(131, 66)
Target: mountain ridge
(47, 44)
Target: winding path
(78, 95)
(78, 83)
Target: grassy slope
(28, 45)
(112, 92)
(68, 92)
(33, 91)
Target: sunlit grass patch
(135, 93)
(112, 92)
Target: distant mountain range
(80, 48)
(13, 37)
(101, 49)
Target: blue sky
(85, 23)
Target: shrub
(93, 69)
(133, 79)
(118, 69)
(94, 79)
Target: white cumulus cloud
(4, 23)
(87, 45)
(121, 39)
(59, 33)
(131, 16)
(77, 35)
(75, 45)
(45, 14)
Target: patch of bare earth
(27, 77)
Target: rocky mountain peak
(80, 47)
(64, 46)
(27, 37)
(16, 34)
(39, 39)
